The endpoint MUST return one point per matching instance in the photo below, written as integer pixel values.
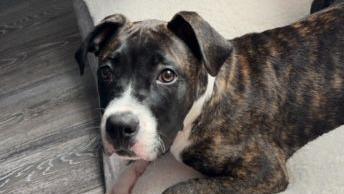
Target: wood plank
(49, 140)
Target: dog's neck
(198, 104)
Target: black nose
(122, 125)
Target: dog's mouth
(135, 152)
(125, 153)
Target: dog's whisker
(163, 138)
(161, 144)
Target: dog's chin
(143, 154)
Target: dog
(234, 110)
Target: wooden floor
(48, 113)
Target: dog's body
(272, 93)
(278, 90)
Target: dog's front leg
(259, 169)
(127, 179)
(120, 176)
(113, 167)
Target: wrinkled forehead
(143, 36)
(145, 39)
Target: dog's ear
(205, 43)
(318, 5)
(99, 38)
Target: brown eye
(167, 76)
(106, 74)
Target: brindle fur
(277, 91)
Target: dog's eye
(167, 76)
(106, 74)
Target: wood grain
(49, 139)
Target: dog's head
(149, 76)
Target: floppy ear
(205, 43)
(99, 38)
(318, 5)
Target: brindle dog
(274, 91)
